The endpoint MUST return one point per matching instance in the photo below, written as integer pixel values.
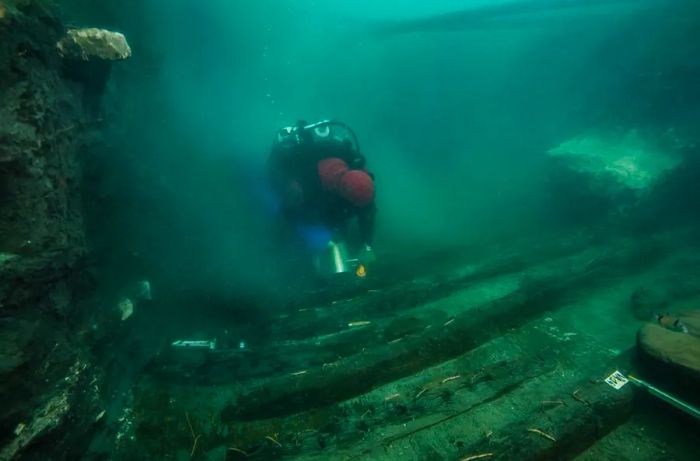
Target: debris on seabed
(238, 450)
(579, 398)
(126, 308)
(552, 403)
(340, 301)
(451, 378)
(473, 457)
(194, 437)
(20, 427)
(194, 344)
(273, 440)
(543, 434)
(144, 290)
(360, 323)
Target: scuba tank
(303, 132)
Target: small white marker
(616, 380)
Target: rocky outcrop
(674, 345)
(88, 44)
(628, 160)
(48, 378)
(69, 400)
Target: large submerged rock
(629, 159)
(675, 347)
(49, 379)
(91, 43)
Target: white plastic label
(616, 380)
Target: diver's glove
(367, 255)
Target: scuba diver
(326, 194)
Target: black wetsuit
(298, 163)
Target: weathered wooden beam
(512, 424)
(314, 336)
(357, 374)
(388, 299)
(592, 410)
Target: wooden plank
(357, 374)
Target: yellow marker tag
(361, 271)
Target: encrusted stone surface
(48, 379)
(91, 43)
(677, 350)
(629, 158)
